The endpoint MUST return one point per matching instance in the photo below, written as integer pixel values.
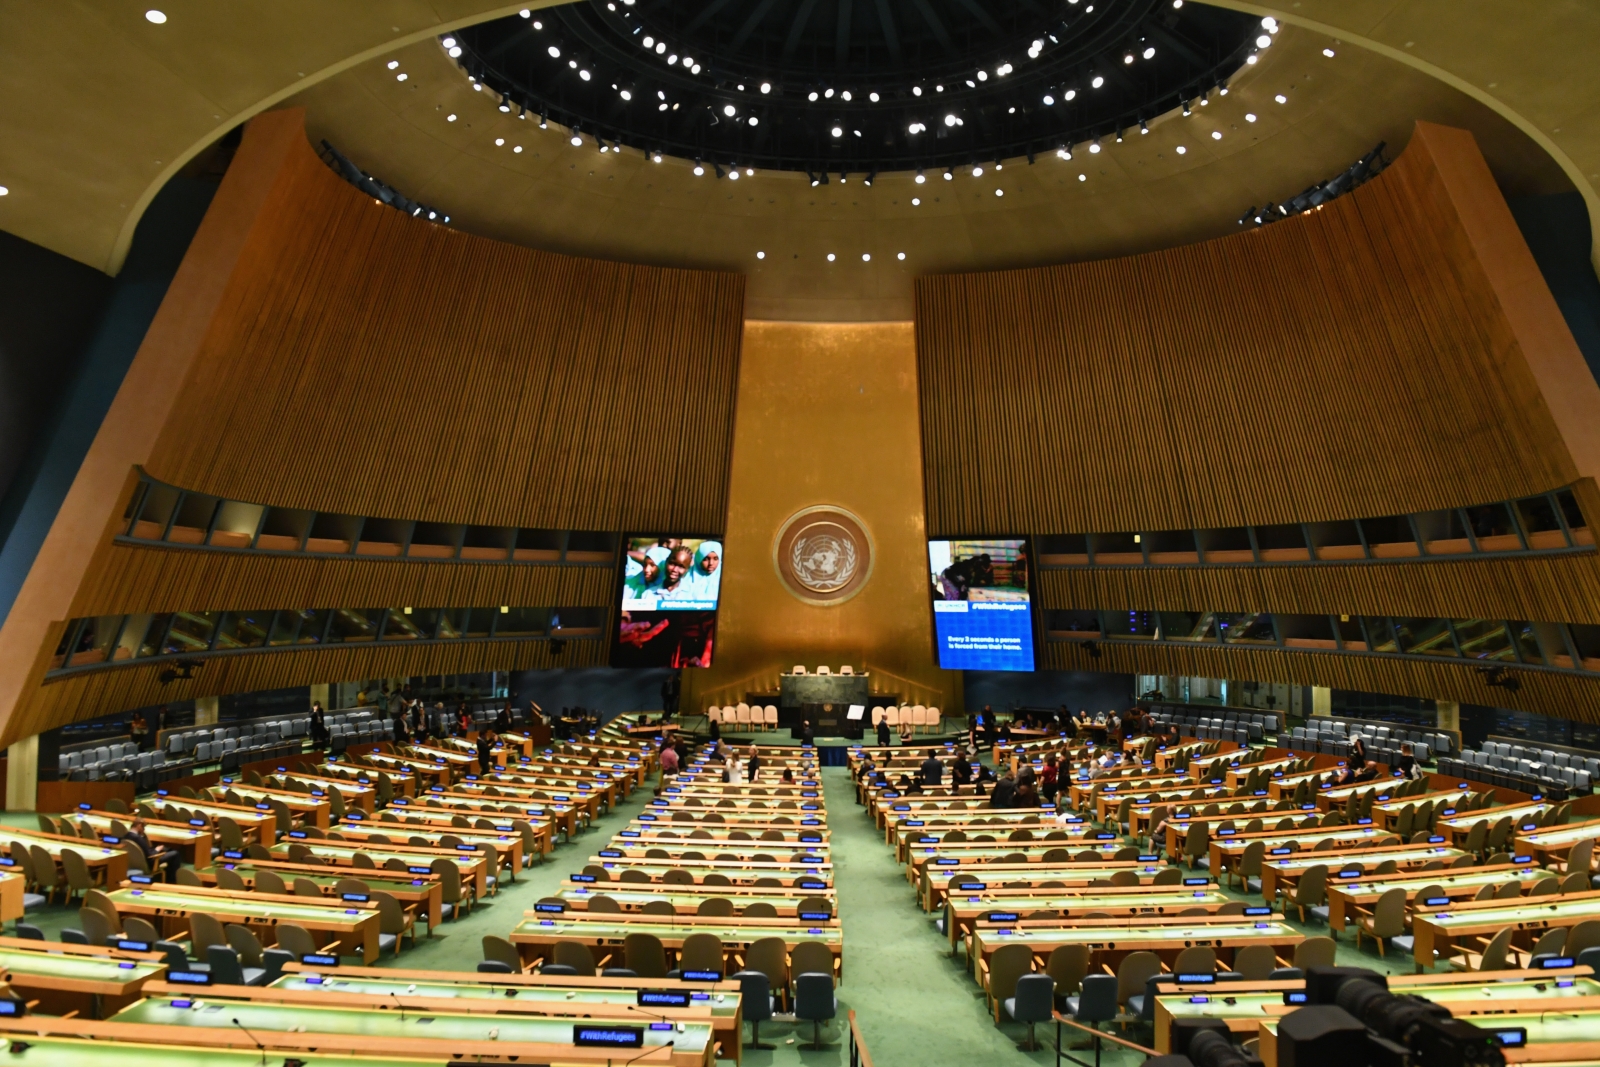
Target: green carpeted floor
(915, 1005)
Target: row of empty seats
(116, 761)
(250, 734)
(1382, 740)
(1534, 763)
(753, 716)
(800, 668)
(918, 716)
(1223, 724)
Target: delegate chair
(1032, 1003)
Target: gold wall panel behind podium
(827, 416)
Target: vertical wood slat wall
(369, 363)
(375, 364)
(1347, 363)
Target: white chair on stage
(769, 716)
(713, 714)
(919, 717)
(933, 720)
(742, 714)
(799, 668)
(877, 716)
(891, 716)
(905, 716)
(823, 670)
(847, 669)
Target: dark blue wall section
(42, 481)
(605, 689)
(1556, 228)
(1004, 690)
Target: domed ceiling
(857, 87)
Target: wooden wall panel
(133, 687)
(1548, 693)
(1346, 363)
(1551, 589)
(135, 579)
(375, 364)
(362, 361)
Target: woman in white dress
(733, 770)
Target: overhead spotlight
(749, 172)
(874, 97)
(838, 131)
(656, 158)
(1150, 53)
(1181, 150)
(555, 53)
(505, 107)
(813, 96)
(699, 169)
(828, 94)
(916, 90)
(815, 181)
(1049, 101)
(1128, 59)
(1119, 136)
(921, 177)
(1098, 81)
(1264, 41)
(393, 63)
(1069, 95)
(845, 96)
(766, 87)
(733, 175)
(1094, 149)
(1186, 109)
(1065, 151)
(1144, 127)
(729, 110)
(577, 142)
(949, 174)
(870, 177)
(999, 192)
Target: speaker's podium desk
(824, 700)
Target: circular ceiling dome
(852, 86)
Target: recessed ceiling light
(830, 257)
(155, 16)
(1182, 150)
(449, 42)
(761, 255)
(393, 63)
(518, 148)
(400, 77)
(1328, 52)
(4, 191)
(729, 110)
(1098, 81)
(555, 53)
(1083, 177)
(1249, 116)
(866, 257)
(999, 192)
(977, 172)
(902, 255)
(1264, 41)
(838, 132)
(1216, 135)
(498, 141)
(916, 201)
(449, 118)
(1280, 98)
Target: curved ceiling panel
(439, 140)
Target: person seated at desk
(960, 773)
(788, 776)
(1355, 761)
(908, 785)
(165, 860)
(1081, 721)
(980, 775)
(1027, 795)
(865, 769)
(932, 770)
(1107, 764)
(1003, 737)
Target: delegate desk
(497, 994)
(636, 896)
(1109, 940)
(1441, 932)
(421, 821)
(189, 842)
(1226, 849)
(548, 813)
(1555, 842)
(92, 1043)
(963, 911)
(981, 855)
(355, 925)
(76, 977)
(421, 891)
(255, 824)
(590, 798)
(427, 772)
(1345, 895)
(1455, 828)
(1243, 1006)
(935, 882)
(741, 872)
(312, 810)
(1281, 872)
(12, 886)
(662, 837)
(507, 844)
(359, 792)
(438, 1036)
(474, 866)
(1386, 813)
(536, 935)
(108, 866)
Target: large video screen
(670, 589)
(982, 613)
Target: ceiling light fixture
(155, 16)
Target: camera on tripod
(1349, 1019)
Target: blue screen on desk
(982, 611)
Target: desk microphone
(399, 1004)
(646, 1052)
(259, 1046)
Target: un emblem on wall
(823, 555)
